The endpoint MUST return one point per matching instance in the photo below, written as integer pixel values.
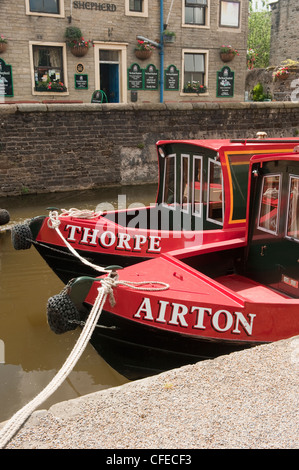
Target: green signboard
(6, 83)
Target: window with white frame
(195, 12)
(48, 63)
(194, 71)
(136, 7)
(229, 14)
(45, 7)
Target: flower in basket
(228, 50)
(281, 72)
(3, 39)
(79, 43)
(56, 86)
(144, 46)
(194, 87)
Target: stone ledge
(104, 107)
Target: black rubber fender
(4, 217)
(62, 314)
(21, 237)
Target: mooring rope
(107, 285)
(54, 222)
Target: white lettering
(200, 316)
(139, 240)
(154, 244)
(162, 310)
(73, 229)
(123, 239)
(215, 320)
(178, 314)
(110, 236)
(87, 235)
(241, 319)
(146, 308)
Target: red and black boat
(226, 295)
(201, 200)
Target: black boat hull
(137, 351)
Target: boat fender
(4, 217)
(21, 237)
(62, 314)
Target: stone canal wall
(61, 147)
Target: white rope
(54, 222)
(107, 284)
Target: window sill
(194, 94)
(48, 93)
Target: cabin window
(169, 188)
(215, 189)
(185, 182)
(269, 205)
(293, 209)
(197, 186)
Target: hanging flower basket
(142, 55)
(3, 47)
(227, 56)
(227, 53)
(79, 51)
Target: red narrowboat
(201, 200)
(226, 295)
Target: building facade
(37, 64)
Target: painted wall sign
(80, 68)
(171, 78)
(135, 77)
(6, 83)
(225, 83)
(151, 77)
(95, 6)
(81, 81)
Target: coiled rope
(12, 426)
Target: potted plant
(227, 53)
(48, 85)
(143, 50)
(194, 87)
(168, 36)
(75, 41)
(281, 73)
(3, 43)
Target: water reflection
(32, 352)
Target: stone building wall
(58, 147)
(284, 31)
(110, 27)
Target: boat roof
(275, 156)
(217, 144)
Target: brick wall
(46, 148)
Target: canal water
(30, 353)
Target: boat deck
(249, 289)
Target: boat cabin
(272, 256)
(207, 180)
